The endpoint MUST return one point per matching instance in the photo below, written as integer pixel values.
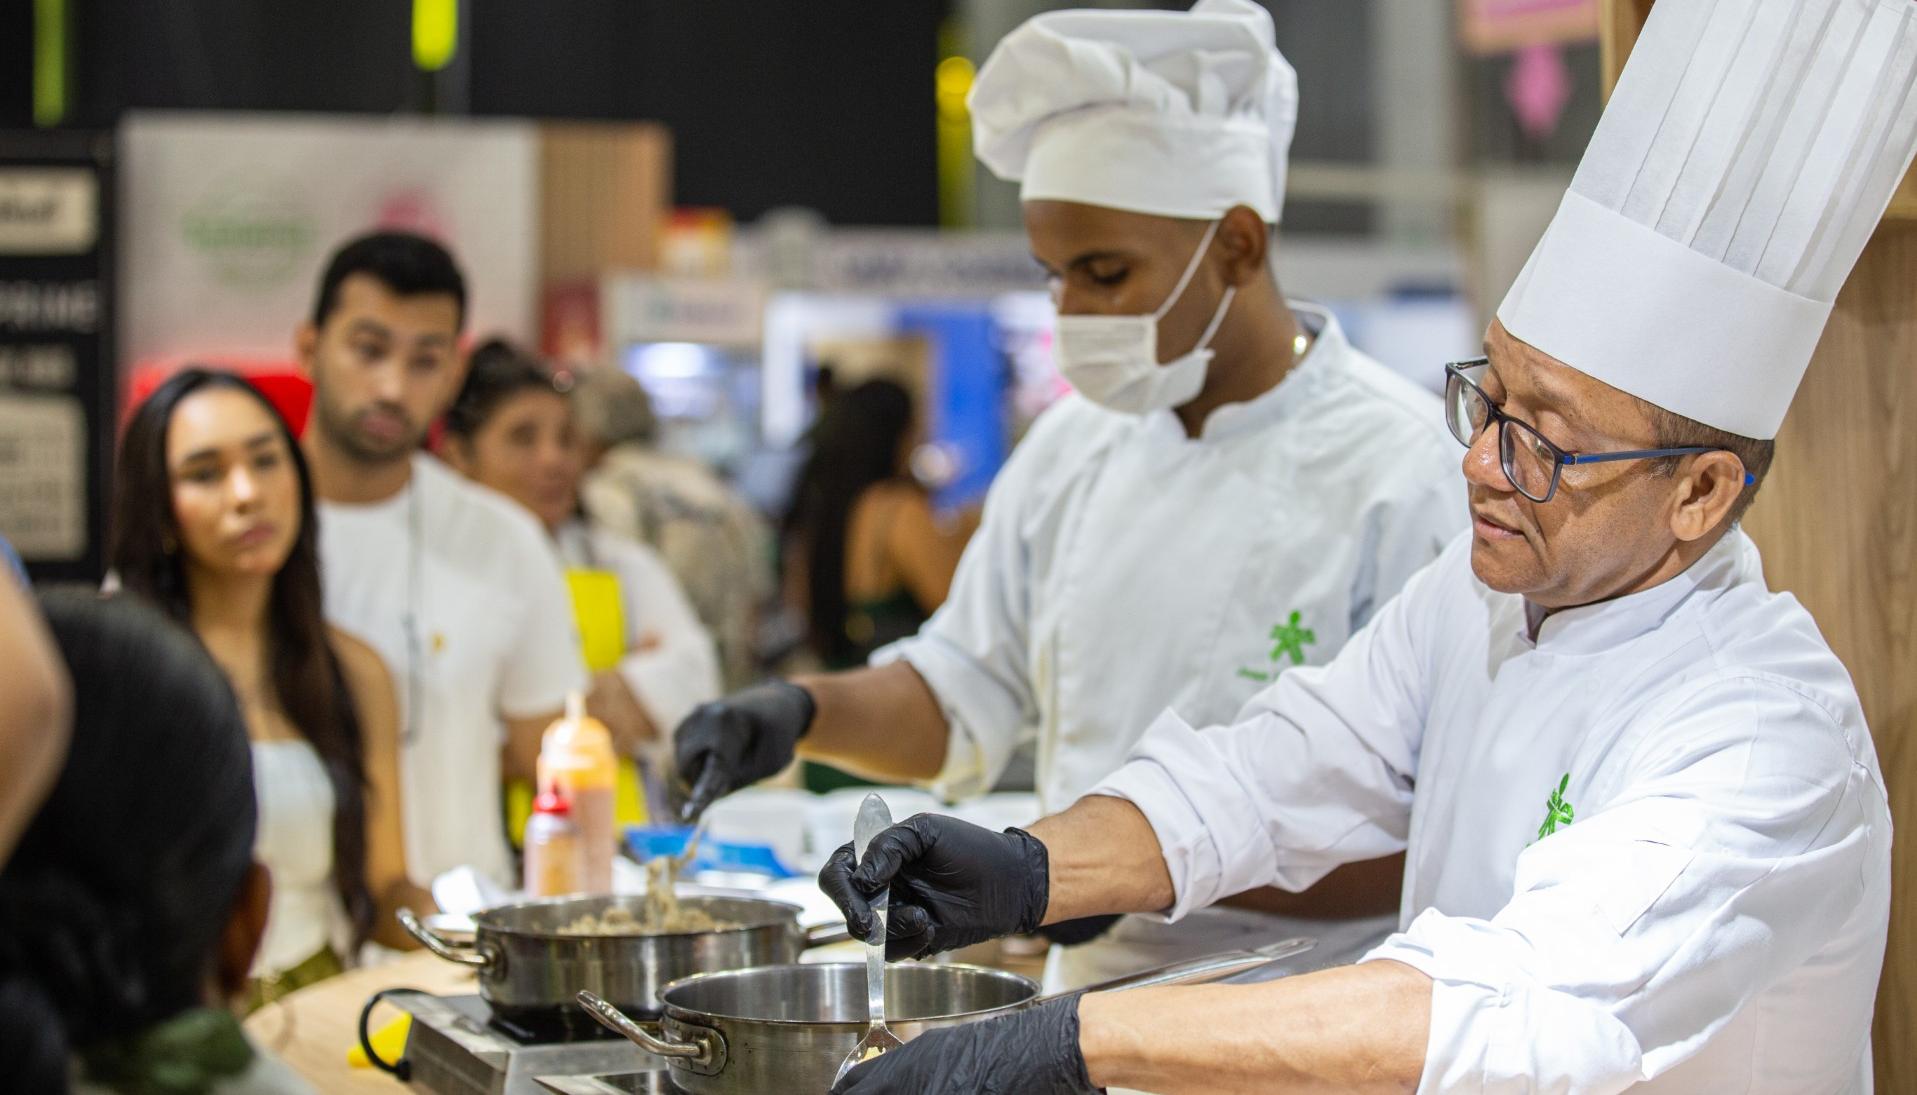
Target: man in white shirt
(455, 586)
(1231, 491)
(1648, 837)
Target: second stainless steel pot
(527, 968)
(786, 1028)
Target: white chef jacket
(1709, 913)
(670, 663)
(1122, 568)
(492, 637)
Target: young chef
(455, 586)
(1648, 841)
(1232, 491)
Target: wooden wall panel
(1837, 523)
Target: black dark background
(826, 103)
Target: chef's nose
(1483, 466)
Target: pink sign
(1502, 26)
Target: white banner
(226, 221)
(712, 311)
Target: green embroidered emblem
(1556, 810)
(1291, 640)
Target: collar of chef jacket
(1594, 628)
(1237, 419)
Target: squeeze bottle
(576, 760)
(555, 856)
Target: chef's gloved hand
(951, 883)
(1031, 1051)
(740, 739)
(1077, 933)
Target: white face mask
(1113, 360)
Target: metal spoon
(874, 818)
(691, 849)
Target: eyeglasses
(1532, 463)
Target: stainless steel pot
(528, 969)
(787, 1028)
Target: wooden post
(1837, 525)
(604, 191)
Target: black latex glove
(740, 739)
(1072, 933)
(1030, 1052)
(952, 884)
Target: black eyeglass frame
(1454, 377)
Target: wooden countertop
(313, 1029)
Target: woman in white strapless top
(295, 842)
(214, 522)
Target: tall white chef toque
(1176, 114)
(1742, 163)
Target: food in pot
(659, 914)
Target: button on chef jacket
(1122, 567)
(1648, 851)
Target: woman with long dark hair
(863, 543)
(213, 522)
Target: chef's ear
(1245, 240)
(1706, 488)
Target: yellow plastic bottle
(576, 759)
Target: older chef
(1232, 491)
(1648, 841)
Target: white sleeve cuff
(983, 722)
(1169, 780)
(1492, 1036)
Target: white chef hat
(1178, 114)
(1741, 165)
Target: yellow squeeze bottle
(577, 760)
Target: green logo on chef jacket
(1290, 639)
(1557, 811)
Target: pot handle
(464, 956)
(698, 1053)
(1214, 967)
(818, 935)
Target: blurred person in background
(511, 429)
(132, 909)
(456, 588)
(35, 703)
(1232, 491)
(716, 544)
(868, 558)
(213, 522)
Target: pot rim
(484, 925)
(693, 1017)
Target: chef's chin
(1508, 566)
